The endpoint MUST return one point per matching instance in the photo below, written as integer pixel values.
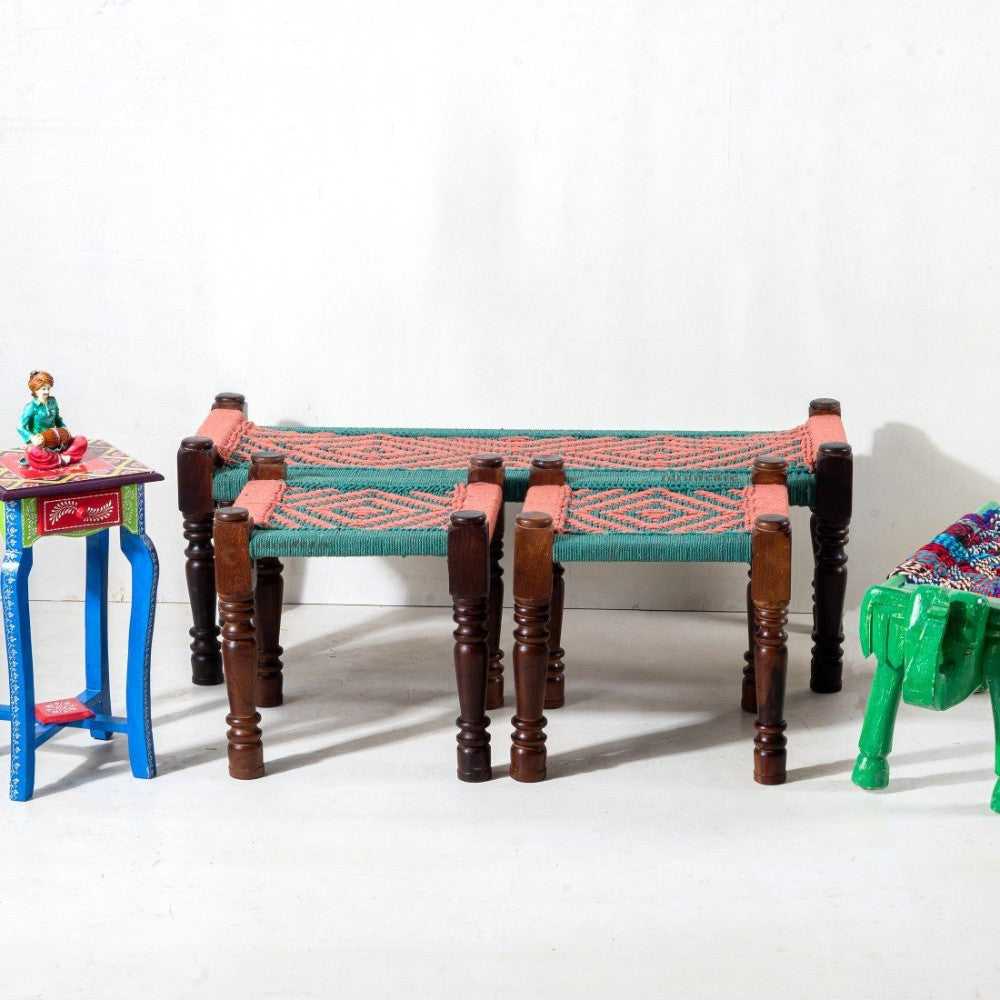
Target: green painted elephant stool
(934, 627)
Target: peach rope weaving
(764, 499)
(236, 439)
(487, 497)
(260, 497)
(820, 429)
(226, 428)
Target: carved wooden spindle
(748, 697)
(468, 582)
(767, 470)
(555, 681)
(195, 462)
(234, 580)
(829, 527)
(489, 469)
(268, 594)
(532, 596)
(231, 401)
(550, 470)
(770, 593)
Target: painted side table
(84, 500)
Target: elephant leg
(994, 686)
(871, 769)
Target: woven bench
(273, 519)
(725, 520)
(213, 467)
(934, 628)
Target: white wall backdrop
(645, 214)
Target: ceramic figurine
(49, 444)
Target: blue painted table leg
(96, 626)
(141, 555)
(17, 628)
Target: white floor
(648, 865)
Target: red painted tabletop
(103, 467)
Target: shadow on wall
(905, 493)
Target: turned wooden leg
(555, 681)
(195, 463)
(234, 579)
(469, 582)
(767, 470)
(267, 602)
(494, 685)
(829, 529)
(748, 699)
(268, 595)
(532, 595)
(770, 593)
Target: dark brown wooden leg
(770, 594)
(748, 700)
(469, 581)
(829, 528)
(268, 595)
(555, 681)
(532, 596)
(488, 468)
(494, 686)
(268, 598)
(195, 464)
(234, 580)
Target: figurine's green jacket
(37, 417)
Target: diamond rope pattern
(368, 509)
(655, 510)
(328, 449)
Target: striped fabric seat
(965, 556)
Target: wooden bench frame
(831, 503)
(250, 602)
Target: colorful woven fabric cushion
(660, 523)
(293, 520)
(965, 556)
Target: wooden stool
(274, 519)
(105, 490)
(667, 523)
